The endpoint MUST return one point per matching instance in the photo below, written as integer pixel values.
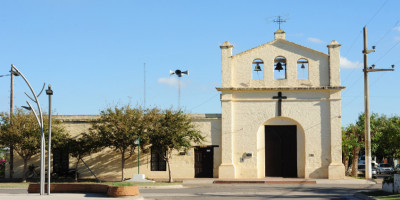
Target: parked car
(384, 168)
(361, 170)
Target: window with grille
(157, 161)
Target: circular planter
(117, 191)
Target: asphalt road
(258, 191)
(225, 191)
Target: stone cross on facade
(279, 97)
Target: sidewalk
(276, 180)
(61, 196)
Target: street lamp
(49, 92)
(39, 118)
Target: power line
(359, 34)
(209, 99)
(387, 52)
(387, 32)
(376, 13)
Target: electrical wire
(398, 42)
(387, 32)
(209, 99)
(376, 13)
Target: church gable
(282, 65)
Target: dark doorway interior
(204, 162)
(281, 151)
(60, 161)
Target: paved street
(221, 191)
(259, 191)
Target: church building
(281, 111)
(281, 117)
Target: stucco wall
(107, 163)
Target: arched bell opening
(280, 71)
(302, 69)
(258, 69)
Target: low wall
(396, 183)
(392, 187)
(112, 191)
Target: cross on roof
(279, 21)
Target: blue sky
(92, 52)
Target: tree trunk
(345, 161)
(122, 165)
(169, 171)
(346, 165)
(12, 161)
(24, 170)
(354, 169)
(76, 170)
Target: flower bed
(112, 191)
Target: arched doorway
(281, 151)
(297, 147)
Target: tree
(388, 142)
(118, 128)
(354, 138)
(81, 147)
(171, 130)
(25, 135)
(348, 142)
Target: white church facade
(285, 124)
(281, 117)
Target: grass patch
(156, 184)
(25, 185)
(383, 195)
(118, 184)
(14, 185)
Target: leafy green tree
(118, 128)
(354, 138)
(348, 142)
(25, 135)
(171, 130)
(80, 147)
(388, 142)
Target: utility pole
(144, 85)
(11, 162)
(368, 156)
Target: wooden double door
(204, 162)
(281, 151)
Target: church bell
(257, 68)
(302, 66)
(279, 66)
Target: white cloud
(347, 64)
(315, 40)
(397, 38)
(397, 28)
(171, 81)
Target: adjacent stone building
(281, 116)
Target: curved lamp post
(39, 118)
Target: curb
(160, 187)
(363, 196)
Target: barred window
(157, 161)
